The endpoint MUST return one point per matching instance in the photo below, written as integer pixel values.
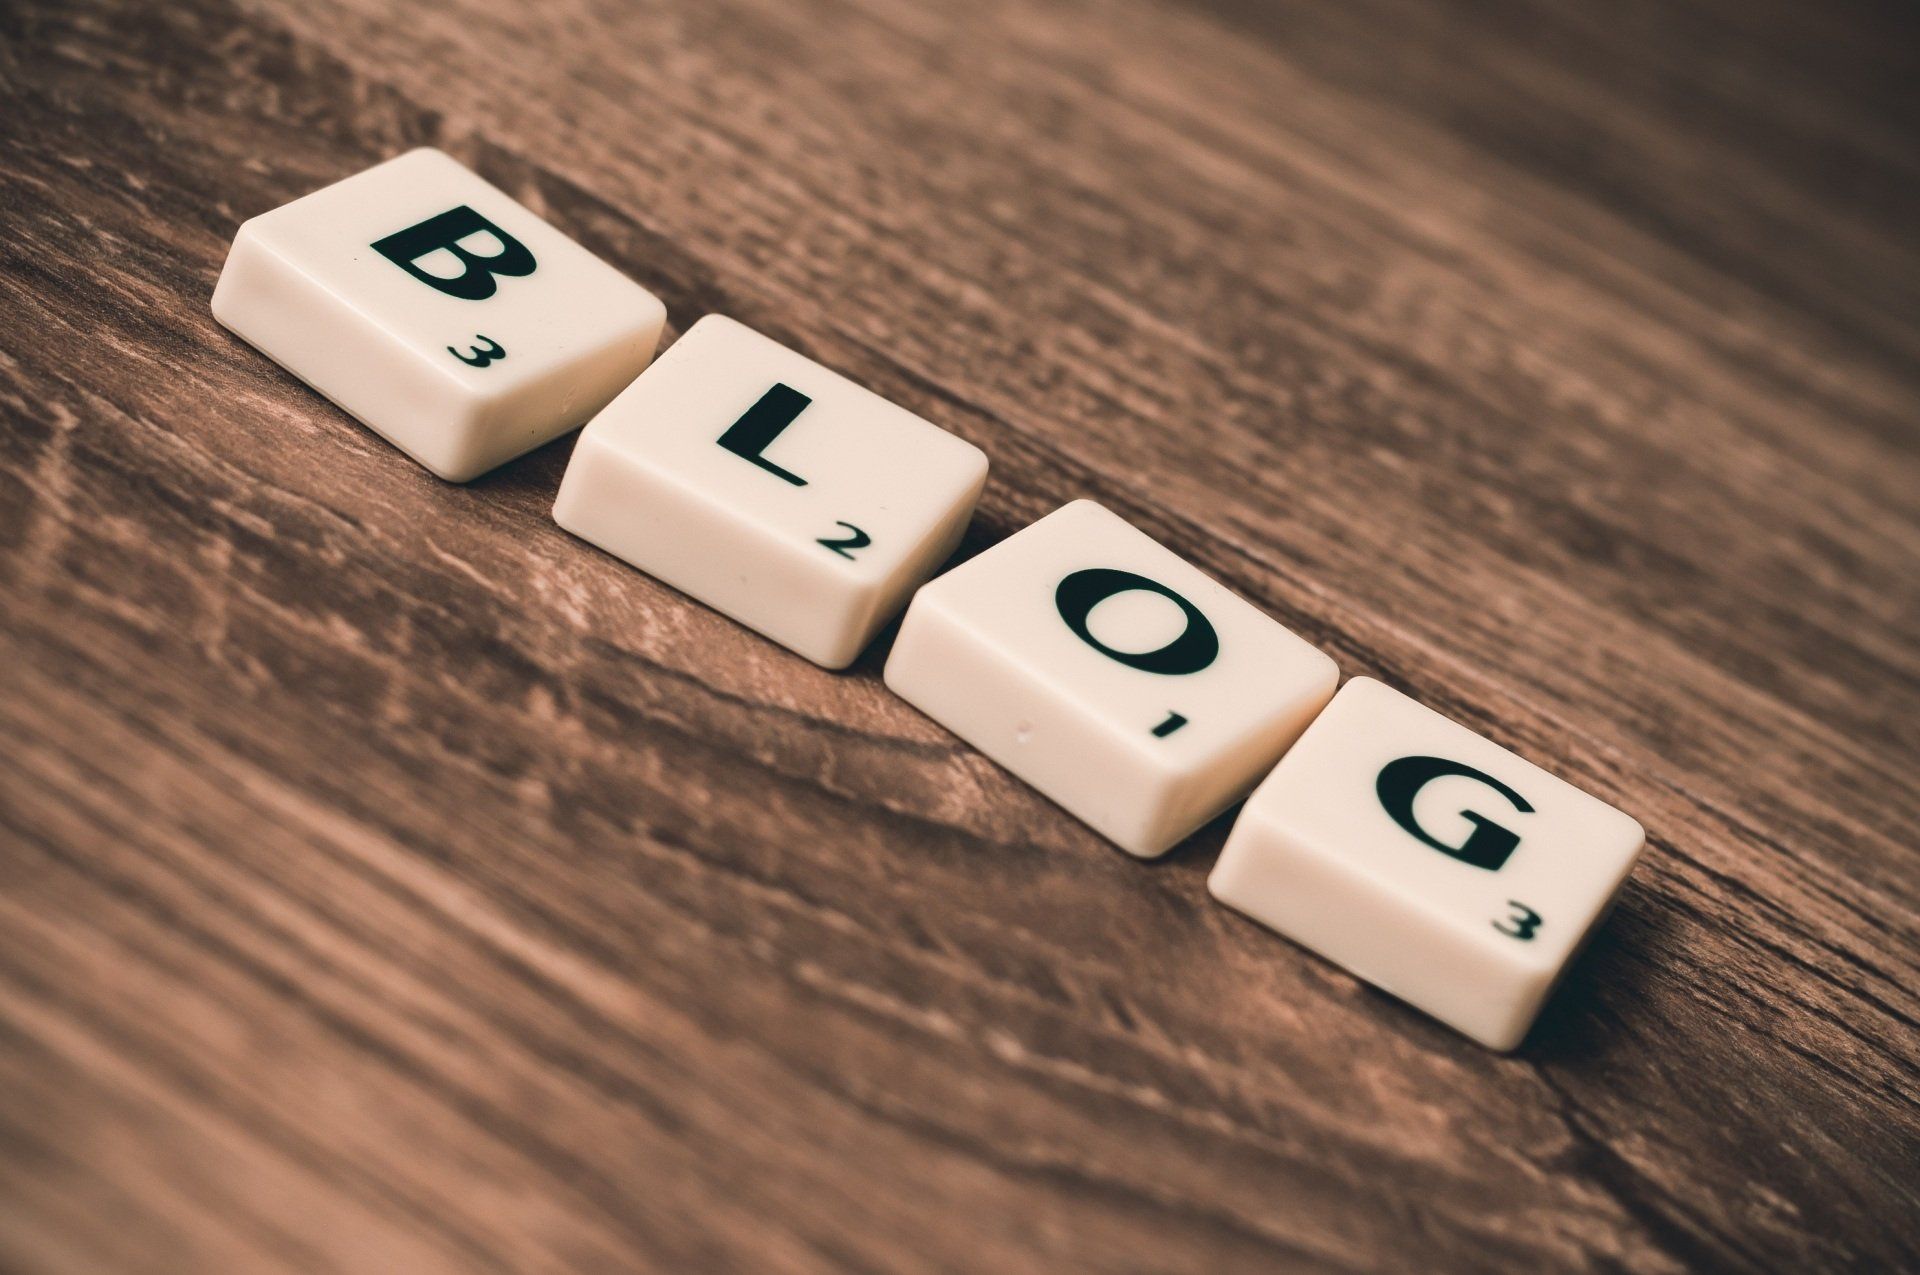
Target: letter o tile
(1114, 676)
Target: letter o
(1196, 647)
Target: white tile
(1113, 676)
(442, 314)
(771, 488)
(1428, 860)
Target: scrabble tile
(1110, 674)
(1428, 860)
(443, 315)
(771, 488)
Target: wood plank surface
(390, 882)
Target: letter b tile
(771, 488)
(1428, 860)
(1109, 673)
(442, 314)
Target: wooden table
(392, 883)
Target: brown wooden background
(390, 883)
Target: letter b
(444, 231)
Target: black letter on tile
(760, 424)
(1082, 591)
(1489, 844)
(446, 230)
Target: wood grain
(389, 882)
